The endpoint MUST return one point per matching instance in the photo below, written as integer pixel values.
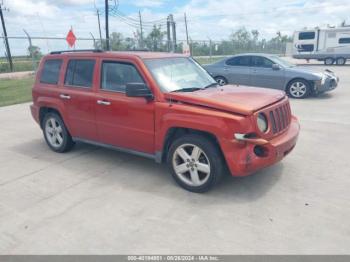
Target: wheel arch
(174, 132)
(46, 109)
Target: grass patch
(207, 60)
(15, 91)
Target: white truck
(331, 45)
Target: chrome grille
(280, 117)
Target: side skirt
(121, 149)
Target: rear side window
(306, 35)
(51, 71)
(345, 40)
(79, 73)
(239, 61)
(115, 76)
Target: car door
(126, 122)
(264, 75)
(237, 70)
(77, 95)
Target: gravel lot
(94, 200)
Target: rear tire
(221, 80)
(329, 61)
(195, 163)
(340, 61)
(56, 134)
(298, 88)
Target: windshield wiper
(187, 89)
(211, 85)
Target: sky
(207, 19)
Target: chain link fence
(27, 51)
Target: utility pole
(107, 26)
(174, 33)
(171, 36)
(186, 29)
(141, 31)
(168, 32)
(8, 51)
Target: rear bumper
(242, 160)
(35, 113)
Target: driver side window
(116, 75)
(258, 61)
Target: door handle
(226, 69)
(64, 96)
(103, 102)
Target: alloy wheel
(191, 165)
(54, 132)
(298, 89)
(221, 81)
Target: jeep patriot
(162, 106)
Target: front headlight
(262, 122)
(323, 80)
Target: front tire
(299, 88)
(195, 163)
(221, 80)
(56, 134)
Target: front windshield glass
(180, 73)
(281, 61)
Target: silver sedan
(271, 71)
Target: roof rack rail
(78, 50)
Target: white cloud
(149, 3)
(30, 7)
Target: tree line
(239, 41)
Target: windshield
(281, 61)
(180, 73)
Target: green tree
(155, 39)
(34, 51)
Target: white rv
(331, 45)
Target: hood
(306, 69)
(242, 100)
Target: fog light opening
(260, 151)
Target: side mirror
(276, 67)
(138, 90)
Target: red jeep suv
(162, 106)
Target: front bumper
(330, 83)
(242, 160)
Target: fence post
(93, 39)
(31, 49)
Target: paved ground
(94, 200)
(16, 75)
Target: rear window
(306, 35)
(51, 71)
(344, 40)
(79, 72)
